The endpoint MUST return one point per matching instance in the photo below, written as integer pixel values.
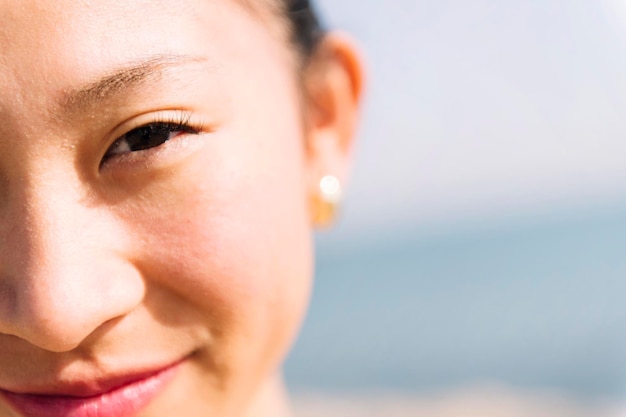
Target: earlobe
(334, 87)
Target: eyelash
(162, 128)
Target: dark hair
(305, 27)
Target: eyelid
(176, 117)
(181, 120)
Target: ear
(334, 87)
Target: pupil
(147, 137)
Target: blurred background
(479, 260)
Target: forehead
(76, 33)
(49, 46)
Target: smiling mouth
(123, 401)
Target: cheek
(228, 233)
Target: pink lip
(124, 401)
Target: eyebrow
(123, 78)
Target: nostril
(8, 303)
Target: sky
(483, 108)
(479, 112)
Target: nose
(64, 271)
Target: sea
(534, 302)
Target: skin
(197, 250)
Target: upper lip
(87, 387)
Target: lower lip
(125, 401)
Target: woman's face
(155, 206)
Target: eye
(148, 136)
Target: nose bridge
(61, 280)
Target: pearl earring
(326, 200)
